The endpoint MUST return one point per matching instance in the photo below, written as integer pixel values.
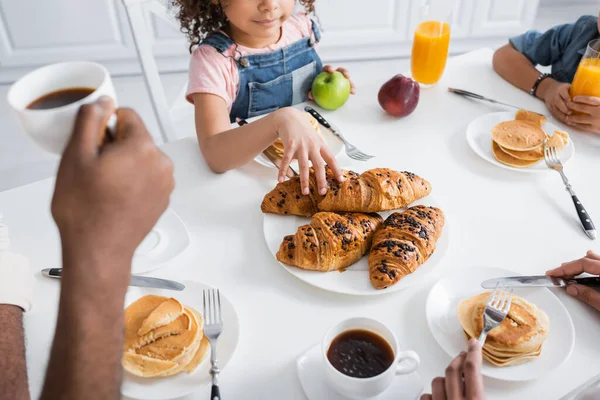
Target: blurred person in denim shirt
(560, 47)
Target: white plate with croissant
(376, 233)
(516, 141)
(276, 149)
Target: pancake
(167, 312)
(509, 160)
(518, 135)
(558, 140)
(146, 367)
(519, 338)
(173, 345)
(524, 115)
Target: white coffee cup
(51, 128)
(405, 362)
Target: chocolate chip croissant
(375, 190)
(404, 242)
(330, 242)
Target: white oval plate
(334, 144)
(461, 284)
(355, 280)
(479, 137)
(167, 240)
(183, 384)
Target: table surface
(496, 217)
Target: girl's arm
(225, 148)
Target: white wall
(34, 33)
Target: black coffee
(360, 354)
(60, 98)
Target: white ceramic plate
(355, 280)
(334, 144)
(312, 378)
(167, 240)
(183, 384)
(479, 137)
(461, 284)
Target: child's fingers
(328, 68)
(310, 96)
(580, 119)
(590, 100)
(286, 160)
(344, 72)
(332, 163)
(319, 167)
(304, 170)
(561, 105)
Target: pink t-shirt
(216, 73)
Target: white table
(495, 217)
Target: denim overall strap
(218, 40)
(280, 78)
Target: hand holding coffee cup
(47, 100)
(362, 357)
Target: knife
(141, 281)
(275, 161)
(324, 122)
(476, 96)
(539, 281)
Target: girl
(561, 47)
(254, 57)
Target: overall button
(244, 62)
(311, 42)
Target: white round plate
(479, 137)
(167, 240)
(355, 280)
(183, 384)
(312, 378)
(334, 144)
(461, 284)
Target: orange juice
(587, 78)
(430, 51)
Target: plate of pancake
(516, 140)
(165, 352)
(536, 337)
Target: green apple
(331, 91)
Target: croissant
(330, 242)
(404, 242)
(375, 190)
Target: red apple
(399, 96)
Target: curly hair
(199, 18)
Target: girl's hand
(303, 143)
(589, 119)
(344, 71)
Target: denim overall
(272, 80)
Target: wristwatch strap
(537, 83)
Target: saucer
(312, 378)
(167, 240)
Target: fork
(495, 311)
(553, 162)
(351, 150)
(213, 325)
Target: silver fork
(553, 162)
(213, 325)
(351, 150)
(495, 311)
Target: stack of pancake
(162, 337)
(520, 143)
(517, 339)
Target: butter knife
(275, 161)
(476, 96)
(141, 281)
(538, 281)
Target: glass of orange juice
(431, 42)
(587, 77)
